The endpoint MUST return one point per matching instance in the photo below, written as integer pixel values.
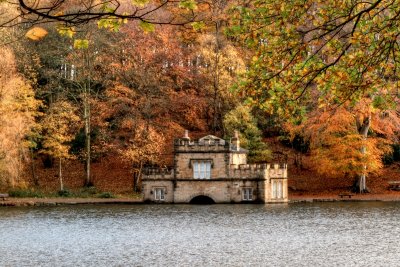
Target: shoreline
(307, 198)
(25, 202)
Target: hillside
(112, 174)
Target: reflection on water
(325, 234)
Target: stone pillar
(235, 141)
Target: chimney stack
(235, 141)
(186, 136)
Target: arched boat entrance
(202, 200)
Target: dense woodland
(111, 83)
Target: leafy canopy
(343, 49)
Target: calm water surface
(325, 234)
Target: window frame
(247, 194)
(277, 189)
(201, 168)
(159, 193)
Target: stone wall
(229, 175)
(183, 164)
(148, 187)
(229, 191)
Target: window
(247, 193)
(277, 189)
(201, 169)
(159, 194)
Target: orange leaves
(145, 146)
(36, 33)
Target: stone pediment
(212, 139)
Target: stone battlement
(182, 145)
(258, 170)
(157, 173)
(241, 171)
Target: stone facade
(214, 169)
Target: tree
(144, 147)
(158, 83)
(325, 53)
(59, 127)
(350, 140)
(346, 48)
(218, 60)
(240, 119)
(108, 14)
(18, 110)
(67, 72)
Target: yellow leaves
(66, 31)
(36, 33)
(81, 44)
(60, 125)
(18, 110)
(139, 3)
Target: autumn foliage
(116, 89)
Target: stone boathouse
(213, 170)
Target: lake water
(320, 234)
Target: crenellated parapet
(277, 171)
(258, 170)
(209, 145)
(157, 173)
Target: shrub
(90, 190)
(64, 193)
(106, 195)
(25, 193)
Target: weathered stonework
(217, 169)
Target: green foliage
(242, 120)
(111, 23)
(330, 51)
(146, 26)
(188, 4)
(24, 193)
(106, 195)
(90, 190)
(140, 3)
(198, 25)
(64, 193)
(77, 145)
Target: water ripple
(324, 234)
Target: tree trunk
(34, 177)
(86, 108)
(60, 175)
(216, 78)
(137, 179)
(363, 131)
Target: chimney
(186, 136)
(235, 141)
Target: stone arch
(201, 199)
